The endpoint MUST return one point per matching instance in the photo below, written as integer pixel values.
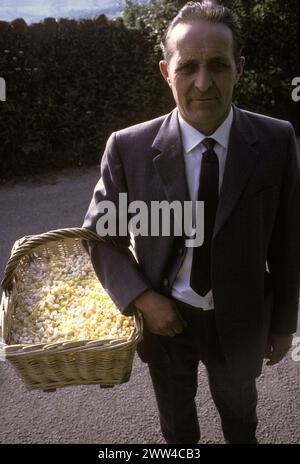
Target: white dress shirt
(193, 150)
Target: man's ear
(240, 68)
(163, 67)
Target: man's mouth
(203, 99)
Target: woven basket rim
(27, 243)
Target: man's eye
(218, 66)
(189, 68)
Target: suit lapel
(241, 159)
(169, 163)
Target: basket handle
(24, 245)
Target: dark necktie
(209, 193)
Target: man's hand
(278, 346)
(160, 314)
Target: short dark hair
(207, 10)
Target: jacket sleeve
(284, 250)
(115, 267)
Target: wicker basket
(53, 365)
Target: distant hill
(36, 10)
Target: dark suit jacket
(255, 269)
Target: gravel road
(125, 413)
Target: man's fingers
(179, 326)
(268, 352)
(175, 328)
(276, 357)
(161, 315)
(274, 360)
(279, 347)
(183, 323)
(166, 333)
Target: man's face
(202, 72)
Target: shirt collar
(191, 137)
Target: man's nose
(203, 80)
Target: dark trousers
(175, 383)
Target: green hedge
(71, 83)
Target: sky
(36, 10)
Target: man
(233, 300)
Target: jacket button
(180, 251)
(166, 282)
